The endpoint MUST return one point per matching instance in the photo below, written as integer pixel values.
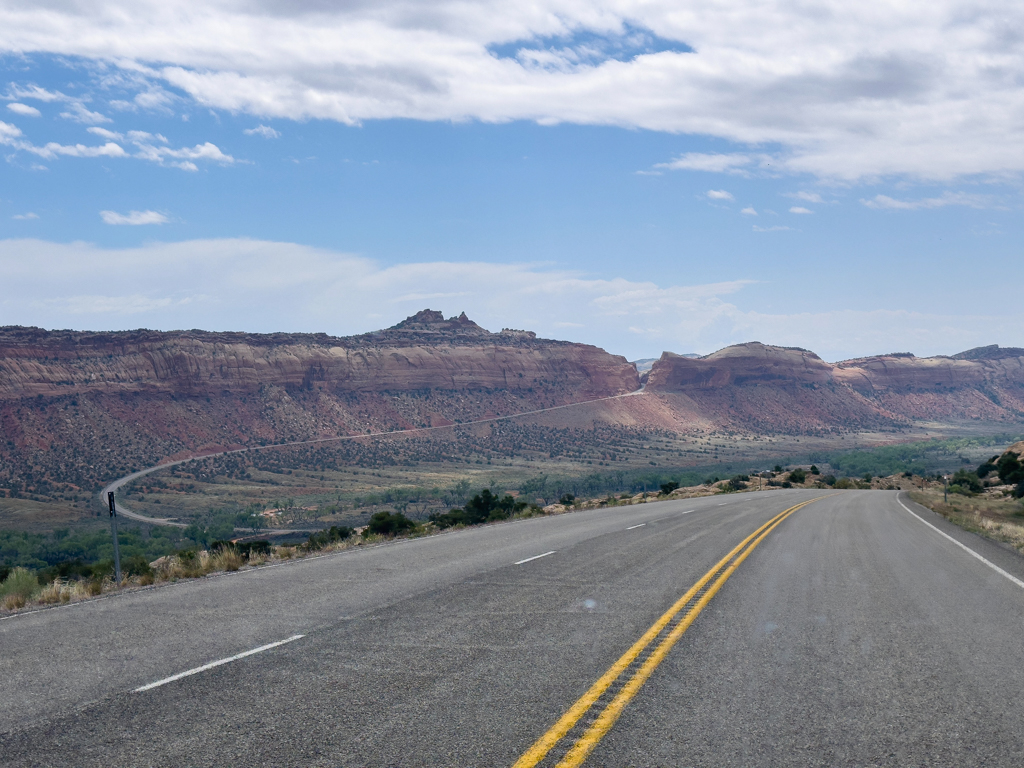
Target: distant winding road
(126, 511)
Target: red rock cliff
(423, 352)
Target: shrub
(815, 470)
(845, 483)
(325, 538)
(1010, 469)
(797, 476)
(136, 565)
(736, 483)
(1018, 492)
(967, 482)
(388, 524)
(484, 507)
(987, 467)
(667, 488)
(19, 587)
(566, 499)
(227, 559)
(786, 484)
(829, 480)
(867, 477)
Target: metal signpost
(113, 529)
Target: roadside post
(113, 530)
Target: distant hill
(765, 388)
(79, 408)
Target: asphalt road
(853, 634)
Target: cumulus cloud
(133, 218)
(23, 109)
(776, 228)
(25, 216)
(749, 212)
(148, 146)
(800, 209)
(719, 194)
(949, 198)
(851, 91)
(262, 130)
(809, 197)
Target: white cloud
(949, 198)
(719, 194)
(262, 130)
(23, 109)
(105, 134)
(749, 212)
(78, 112)
(35, 92)
(800, 209)
(808, 197)
(850, 91)
(714, 163)
(182, 158)
(11, 136)
(133, 218)
(148, 146)
(25, 216)
(776, 228)
(264, 286)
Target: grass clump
(18, 588)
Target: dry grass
(995, 516)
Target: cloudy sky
(639, 175)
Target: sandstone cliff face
(424, 352)
(754, 383)
(743, 364)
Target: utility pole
(113, 530)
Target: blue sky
(592, 189)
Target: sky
(644, 176)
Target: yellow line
(544, 744)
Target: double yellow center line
(602, 705)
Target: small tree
(667, 488)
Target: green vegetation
(797, 476)
(332, 535)
(40, 551)
(919, 458)
(388, 524)
(485, 507)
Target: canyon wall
(790, 389)
(424, 352)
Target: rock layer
(424, 352)
(791, 389)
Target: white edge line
(213, 664)
(641, 525)
(964, 547)
(687, 511)
(535, 557)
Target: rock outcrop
(421, 353)
(794, 390)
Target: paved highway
(843, 632)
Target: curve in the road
(127, 512)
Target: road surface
(852, 633)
